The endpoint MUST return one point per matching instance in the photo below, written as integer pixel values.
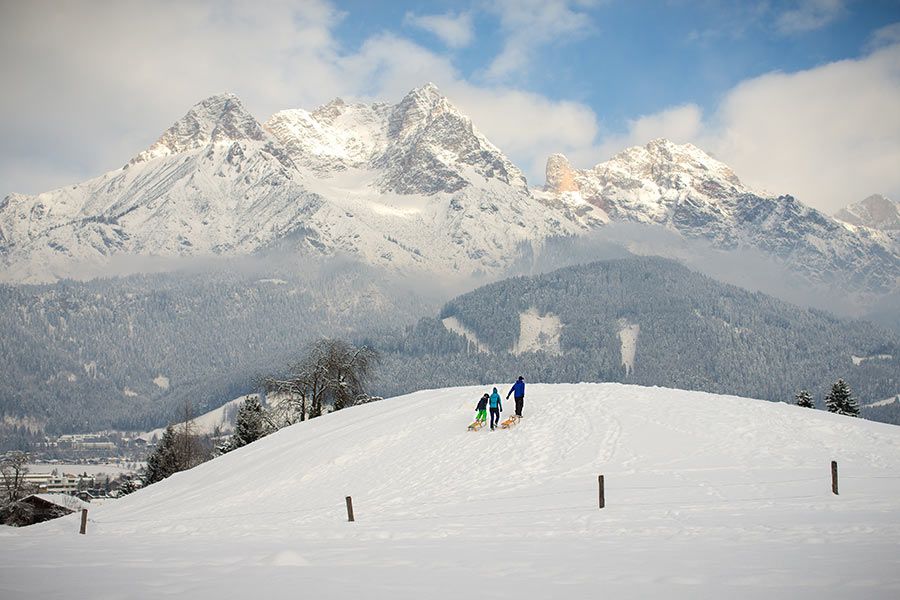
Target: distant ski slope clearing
(453, 324)
(858, 360)
(538, 333)
(628, 337)
(706, 496)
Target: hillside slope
(706, 496)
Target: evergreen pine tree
(804, 399)
(840, 400)
(129, 486)
(163, 461)
(248, 427)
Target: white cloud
(809, 15)
(91, 84)
(455, 30)
(531, 24)
(828, 135)
(887, 35)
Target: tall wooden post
(83, 521)
(350, 509)
(834, 478)
(602, 495)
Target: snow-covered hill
(706, 496)
(683, 189)
(409, 186)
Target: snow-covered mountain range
(411, 186)
(683, 189)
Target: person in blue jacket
(496, 408)
(518, 392)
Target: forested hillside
(694, 333)
(126, 353)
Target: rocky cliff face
(875, 212)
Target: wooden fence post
(834, 478)
(350, 509)
(83, 521)
(602, 495)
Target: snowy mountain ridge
(682, 189)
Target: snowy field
(706, 497)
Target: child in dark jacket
(481, 409)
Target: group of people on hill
(492, 401)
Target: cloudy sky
(799, 97)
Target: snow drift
(705, 496)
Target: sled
(476, 426)
(509, 422)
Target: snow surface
(538, 333)
(63, 500)
(706, 497)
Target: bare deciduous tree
(15, 487)
(331, 375)
(13, 470)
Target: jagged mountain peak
(875, 211)
(219, 118)
(417, 109)
(665, 158)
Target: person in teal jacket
(496, 408)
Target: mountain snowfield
(706, 496)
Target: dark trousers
(495, 416)
(519, 403)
